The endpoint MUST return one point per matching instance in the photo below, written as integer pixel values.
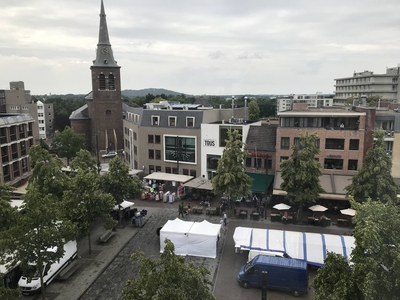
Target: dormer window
(189, 121)
(155, 120)
(172, 121)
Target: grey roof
(104, 53)
(15, 118)
(262, 137)
(203, 102)
(79, 114)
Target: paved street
(104, 274)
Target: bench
(106, 236)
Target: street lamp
(233, 105)
(245, 108)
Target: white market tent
(311, 247)
(168, 177)
(191, 238)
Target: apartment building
(345, 135)
(369, 84)
(16, 138)
(167, 137)
(17, 100)
(316, 100)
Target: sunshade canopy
(318, 208)
(168, 177)
(281, 206)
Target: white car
(111, 154)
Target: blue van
(285, 274)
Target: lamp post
(266, 184)
(233, 105)
(245, 108)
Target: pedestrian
(262, 210)
(181, 210)
(188, 209)
(225, 219)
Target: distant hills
(144, 92)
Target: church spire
(104, 53)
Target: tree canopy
(168, 278)
(254, 111)
(300, 173)
(84, 203)
(67, 143)
(373, 271)
(374, 180)
(231, 178)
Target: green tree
(67, 143)
(254, 111)
(40, 227)
(335, 280)
(376, 256)
(168, 278)
(44, 145)
(300, 173)
(84, 203)
(374, 180)
(231, 178)
(46, 172)
(267, 107)
(117, 182)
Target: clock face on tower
(105, 50)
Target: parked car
(111, 154)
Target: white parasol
(348, 212)
(318, 208)
(281, 206)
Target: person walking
(181, 211)
(225, 219)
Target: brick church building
(101, 118)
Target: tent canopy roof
(168, 177)
(205, 228)
(177, 226)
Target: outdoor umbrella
(281, 206)
(348, 212)
(318, 208)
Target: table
(197, 210)
(243, 214)
(211, 210)
(255, 216)
(342, 222)
(275, 217)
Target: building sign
(334, 156)
(209, 143)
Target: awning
(199, 183)
(258, 183)
(168, 177)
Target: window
(135, 136)
(335, 144)
(269, 162)
(111, 84)
(151, 154)
(175, 171)
(172, 121)
(248, 161)
(352, 165)
(180, 148)
(168, 170)
(135, 150)
(151, 169)
(150, 139)
(158, 168)
(333, 164)
(193, 173)
(283, 158)
(354, 144)
(223, 134)
(285, 143)
(102, 82)
(257, 162)
(185, 171)
(158, 139)
(189, 121)
(158, 154)
(155, 120)
(40, 115)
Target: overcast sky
(199, 47)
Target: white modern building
(313, 100)
(369, 84)
(213, 136)
(41, 120)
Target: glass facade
(180, 148)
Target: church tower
(104, 108)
